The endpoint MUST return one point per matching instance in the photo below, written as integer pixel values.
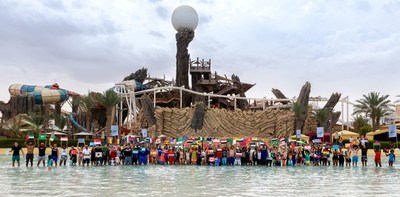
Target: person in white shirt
(64, 155)
(86, 155)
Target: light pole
(185, 20)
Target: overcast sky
(346, 46)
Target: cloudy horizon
(351, 47)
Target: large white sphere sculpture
(184, 16)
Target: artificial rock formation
(303, 99)
(279, 95)
(241, 104)
(270, 123)
(183, 37)
(21, 104)
(139, 76)
(333, 117)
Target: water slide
(75, 123)
(43, 94)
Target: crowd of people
(282, 154)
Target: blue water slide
(75, 123)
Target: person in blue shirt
(264, 155)
(392, 157)
(143, 153)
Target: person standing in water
(378, 157)
(392, 157)
(364, 151)
(15, 157)
(64, 155)
(54, 154)
(42, 154)
(29, 152)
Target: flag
(97, 141)
(144, 132)
(224, 141)
(31, 136)
(179, 141)
(148, 140)
(189, 141)
(114, 130)
(320, 132)
(274, 141)
(158, 141)
(42, 136)
(173, 140)
(81, 140)
(52, 137)
(392, 131)
(116, 141)
(317, 141)
(248, 140)
(64, 139)
(91, 143)
(335, 147)
(298, 134)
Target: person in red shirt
(218, 155)
(113, 155)
(171, 156)
(378, 157)
(73, 153)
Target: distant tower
(185, 20)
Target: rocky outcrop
(270, 123)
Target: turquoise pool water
(199, 181)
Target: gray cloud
(281, 45)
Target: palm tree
(322, 116)
(374, 106)
(299, 111)
(358, 122)
(108, 99)
(36, 121)
(86, 102)
(298, 108)
(60, 120)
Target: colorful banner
(114, 130)
(392, 131)
(320, 132)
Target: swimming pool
(199, 180)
